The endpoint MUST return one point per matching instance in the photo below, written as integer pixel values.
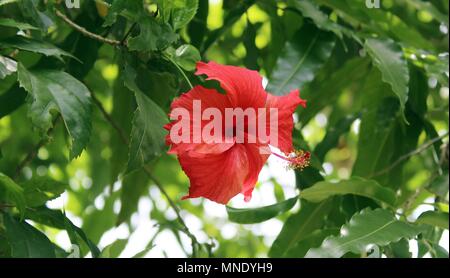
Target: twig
(33, 152)
(172, 204)
(85, 32)
(124, 40)
(148, 171)
(110, 120)
(404, 157)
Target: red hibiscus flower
(221, 169)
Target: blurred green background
(344, 88)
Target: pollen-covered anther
(297, 160)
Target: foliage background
(376, 81)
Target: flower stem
(180, 70)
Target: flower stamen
(297, 160)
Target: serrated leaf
(299, 226)
(9, 22)
(35, 46)
(258, 215)
(387, 56)
(309, 49)
(153, 35)
(26, 241)
(366, 228)
(39, 190)
(186, 56)
(12, 194)
(147, 135)
(434, 218)
(7, 66)
(356, 186)
(58, 91)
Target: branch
(33, 152)
(404, 157)
(110, 120)
(85, 32)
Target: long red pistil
(298, 159)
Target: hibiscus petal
(286, 106)
(243, 87)
(218, 177)
(209, 98)
(257, 156)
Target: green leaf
(121, 6)
(228, 21)
(377, 128)
(327, 90)
(153, 35)
(159, 86)
(58, 91)
(122, 113)
(398, 249)
(186, 56)
(35, 46)
(439, 186)
(387, 56)
(378, 21)
(181, 11)
(7, 66)
(4, 2)
(57, 219)
(9, 22)
(26, 241)
(299, 226)
(11, 100)
(114, 249)
(309, 49)
(356, 186)
(148, 134)
(30, 10)
(366, 228)
(12, 194)
(198, 27)
(314, 240)
(434, 218)
(258, 215)
(321, 20)
(39, 190)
